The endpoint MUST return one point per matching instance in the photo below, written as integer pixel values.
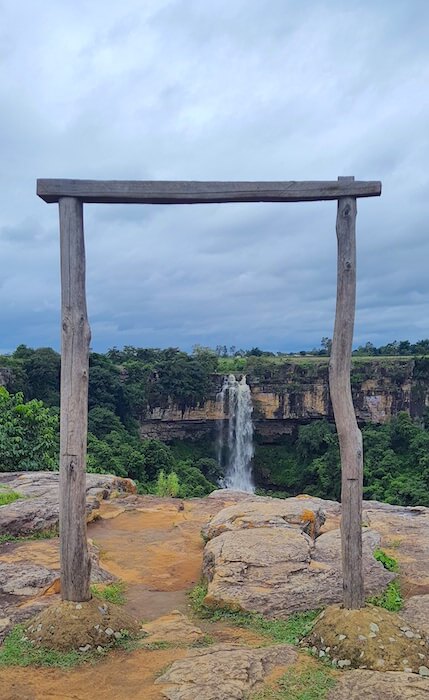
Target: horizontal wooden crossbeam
(188, 192)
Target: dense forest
(125, 383)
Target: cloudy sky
(215, 89)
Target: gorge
(289, 394)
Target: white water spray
(235, 454)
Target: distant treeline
(132, 381)
(400, 348)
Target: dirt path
(155, 547)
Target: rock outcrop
(29, 571)
(37, 511)
(27, 586)
(261, 559)
(416, 613)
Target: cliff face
(289, 394)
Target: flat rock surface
(174, 627)
(222, 671)
(373, 685)
(416, 612)
(293, 577)
(37, 511)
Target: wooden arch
(71, 195)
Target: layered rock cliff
(288, 394)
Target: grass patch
(388, 562)
(42, 535)
(7, 496)
(288, 631)
(204, 641)
(154, 646)
(112, 593)
(16, 650)
(391, 599)
(310, 684)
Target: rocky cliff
(291, 393)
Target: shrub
(167, 484)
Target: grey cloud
(179, 89)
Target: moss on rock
(80, 626)
(370, 638)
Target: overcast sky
(215, 89)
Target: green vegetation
(28, 434)
(112, 593)
(391, 599)
(167, 484)
(396, 462)
(388, 562)
(8, 496)
(288, 631)
(17, 650)
(310, 684)
(29, 440)
(42, 535)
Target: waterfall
(235, 441)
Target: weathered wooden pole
(349, 435)
(75, 337)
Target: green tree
(157, 456)
(28, 434)
(102, 421)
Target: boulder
(276, 571)
(303, 513)
(222, 671)
(25, 578)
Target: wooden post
(350, 437)
(74, 555)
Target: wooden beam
(74, 556)
(349, 435)
(182, 192)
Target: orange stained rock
(42, 552)
(307, 516)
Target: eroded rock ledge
(37, 511)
